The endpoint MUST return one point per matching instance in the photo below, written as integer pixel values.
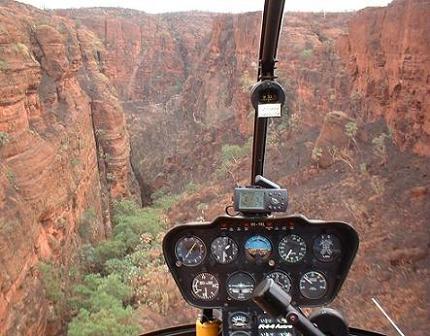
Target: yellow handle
(210, 328)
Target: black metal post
(270, 31)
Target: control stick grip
(270, 297)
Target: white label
(269, 110)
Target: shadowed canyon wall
(99, 104)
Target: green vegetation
(4, 65)
(306, 54)
(4, 137)
(86, 223)
(351, 130)
(20, 48)
(317, 153)
(11, 176)
(112, 278)
(379, 147)
(230, 154)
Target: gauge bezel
(336, 255)
(205, 252)
(236, 254)
(203, 299)
(228, 282)
(250, 257)
(320, 273)
(283, 274)
(283, 241)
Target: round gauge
(313, 285)
(327, 247)
(258, 248)
(239, 320)
(239, 333)
(240, 286)
(292, 248)
(205, 286)
(224, 250)
(190, 251)
(282, 279)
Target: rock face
(387, 52)
(81, 89)
(64, 154)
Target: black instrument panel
(218, 264)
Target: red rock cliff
(388, 56)
(64, 148)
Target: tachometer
(258, 248)
(224, 250)
(282, 279)
(313, 285)
(240, 286)
(190, 251)
(327, 247)
(292, 248)
(205, 286)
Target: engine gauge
(205, 286)
(239, 320)
(240, 286)
(327, 247)
(224, 250)
(191, 251)
(292, 248)
(258, 248)
(313, 285)
(282, 279)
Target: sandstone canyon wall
(64, 155)
(71, 80)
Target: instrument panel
(218, 264)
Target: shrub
(86, 223)
(307, 53)
(4, 137)
(51, 280)
(101, 303)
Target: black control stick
(270, 297)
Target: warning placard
(269, 110)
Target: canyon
(101, 104)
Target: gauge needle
(289, 252)
(191, 249)
(306, 278)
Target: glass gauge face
(282, 279)
(327, 247)
(190, 251)
(258, 248)
(205, 286)
(240, 286)
(224, 250)
(313, 285)
(239, 320)
(292, 248)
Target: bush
(51, 281)
(102, 310)
(4, 137)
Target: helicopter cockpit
(219, 264)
